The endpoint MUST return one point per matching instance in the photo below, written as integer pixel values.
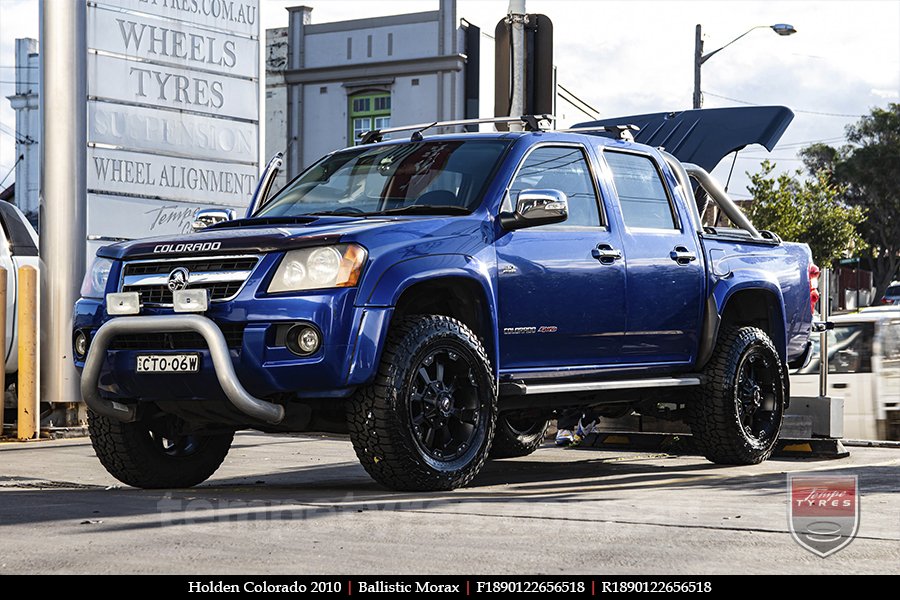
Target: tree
(868, 168)
(806, 210)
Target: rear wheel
(427, 421)
(736, 416)
(155, 454)
(518, 434)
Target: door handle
(682, 255)
(606, 254)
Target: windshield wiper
(424, 209)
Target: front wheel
(156, 453)
(736, 416)
(427, 421)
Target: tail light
(813, 287)
(886, 300)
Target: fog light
(81, 344)
(302, 340)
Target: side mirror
(537, 207)
(206, 217)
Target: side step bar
(523, 389)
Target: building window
(367, 112)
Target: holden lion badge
(824, 511)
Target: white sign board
(167, 42)
(173, 112)
(237, 16)
(121, 126)
(118, 80)
(138, 174)
(153, 217)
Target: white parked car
(863, 369)
(20, 249)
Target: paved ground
(303, 505)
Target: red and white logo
(824, 511)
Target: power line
(575, 96)
(770, 158)
(796, 110)
(21, 156)
(14, 134)
(808, 142)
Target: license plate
(168, 363)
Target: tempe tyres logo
(824, 511)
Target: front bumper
(239, 397)
(348, 356)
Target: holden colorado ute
(439, 297)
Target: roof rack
(531, 123)
(624, 131)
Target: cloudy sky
(637, 56)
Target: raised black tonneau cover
(705, 136)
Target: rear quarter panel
(780, 269)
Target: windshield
(432, 177)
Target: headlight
(319, 268)
(94, 283)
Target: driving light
(319, 268)
(123, 303)
(94, 283)
(190, 300)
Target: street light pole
(517, 17)
(782, 29)
(698, 62)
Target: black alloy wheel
(427, 420)
(756, 396)
(444, 406)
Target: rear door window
(642, 194)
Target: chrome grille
(223, 276)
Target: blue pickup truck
(441, 297)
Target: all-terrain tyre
(518, 435)
(427, 420)
(736, 414)
(140, 455)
